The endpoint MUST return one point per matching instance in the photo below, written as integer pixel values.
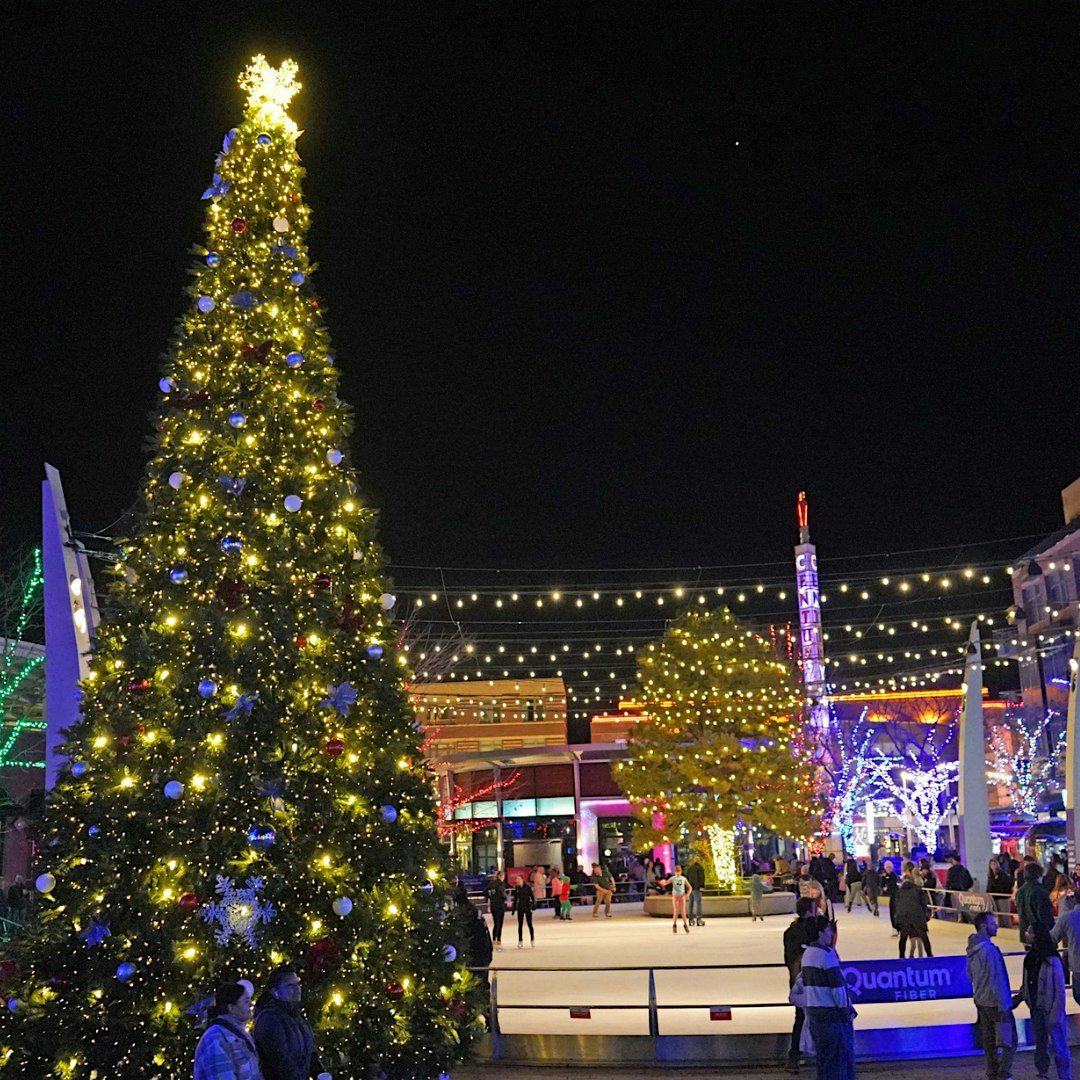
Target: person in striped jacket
(828, 1005)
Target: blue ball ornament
(174, 789)
(261, 837)
(237, 419)
(334, 456)
(206, 304)
(207, 688)
(178, 575)
(263, 139)
(166, 385)
(13, 1004)
(330, 361)
(294, 359)
(94, 830)
(428, 887)
(297, 278)
(79, 769)
(374, 651)
(212, 258)
(125, 971)
(389, 813)
(231, 545)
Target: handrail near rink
(883, 1043)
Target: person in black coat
(496, 894)
(801, 932)
(523, 905)
(283, 1037)
(890, 883)
(911, 911)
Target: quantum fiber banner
(875, 981)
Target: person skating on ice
(680, 890)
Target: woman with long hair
(1062, 895)
(226, 1051)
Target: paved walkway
(949, 1069)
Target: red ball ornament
(139, 686)
(394, 990)
(301, 642)
(315, 304)
(189, 901)
(322, 581)
(334, 748)
(318, 404)
(239, 226)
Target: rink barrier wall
(895, 1043)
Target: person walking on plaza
(1033, 904)
(680, 889)
(1044, 992)
(284, 1039)
(523, 903)
(1055, 865)
(993, 997)
(604, 889)
(796, 937)
(1067, 932)
(496, 894)
(957, 880)
(871, 887)
(226, 1051)
(695, 874)
(912, 911)
(890, 884)
(828, 1004)
(999, 883)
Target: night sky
(607, 283)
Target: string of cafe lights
(904, 626)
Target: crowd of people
(1047, 917)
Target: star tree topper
(269, 90)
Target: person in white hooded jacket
(993, 997)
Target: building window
(1034, 601)
(1056, 588)
(530, 711)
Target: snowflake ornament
(237, 911)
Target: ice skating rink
(589, 949)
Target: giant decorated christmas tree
(246, 788)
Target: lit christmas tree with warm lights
(246, 788)
(718, 750)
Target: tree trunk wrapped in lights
(246, 788)
(717, 750)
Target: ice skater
(523, 904)
(680, 890)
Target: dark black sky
(608, 283)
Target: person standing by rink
(993, 997)
(828, 1005)
(680, 889)
(912, 914)
(796, 938)
(522, 903)
(695, 874)
(1044, 992)
(852, 882)
(564, 896)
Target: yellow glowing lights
(269, 90)
(392, 909)
(198, 782)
